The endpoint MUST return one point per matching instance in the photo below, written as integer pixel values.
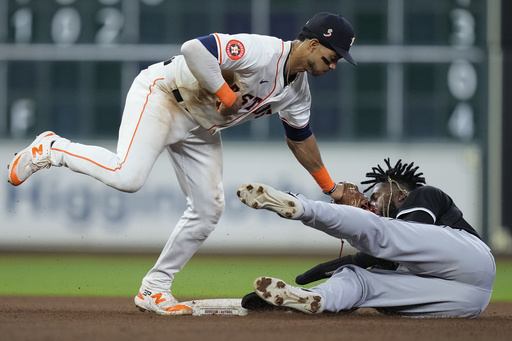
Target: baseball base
(217, 306)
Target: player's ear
(313, 44)
(402, 196)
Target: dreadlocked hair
(402, 172)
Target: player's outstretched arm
(308, 154)
(323, 270)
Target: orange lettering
(158, 298)
(37, 150)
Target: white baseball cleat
(160, 302)
(260, 196)
(35, 157)
(280, 294)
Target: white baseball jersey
(259, 63)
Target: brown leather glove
(352, 197)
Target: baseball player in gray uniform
(181, 105)
(425, 259)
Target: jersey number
(265, 110)
(250, 101)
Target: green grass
(203, 277)
(503, 284)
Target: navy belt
(179, 99)
(177, 95)
(175, 92)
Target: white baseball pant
(444, 272)
(153, 121)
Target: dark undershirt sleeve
(297, 134)
(210, 43)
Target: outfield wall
(58, 210)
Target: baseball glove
(326, 270)
(352, 197)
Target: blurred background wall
(431, 87)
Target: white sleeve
(297, 112)
(203, 65)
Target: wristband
(323, 179)
(226, 95)
(332, 190)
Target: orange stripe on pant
(131, 141)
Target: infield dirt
(61, 318)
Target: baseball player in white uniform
(426, 260)
(181, 105)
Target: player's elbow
(189, 47)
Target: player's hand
(233, 109)
(338, 193)
(351, 196)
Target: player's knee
(128, 184)
(129, 187)
(203, 231)
(209, 216)
(211, 210)
(214, 209)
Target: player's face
(384, 201)
(322, 60)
